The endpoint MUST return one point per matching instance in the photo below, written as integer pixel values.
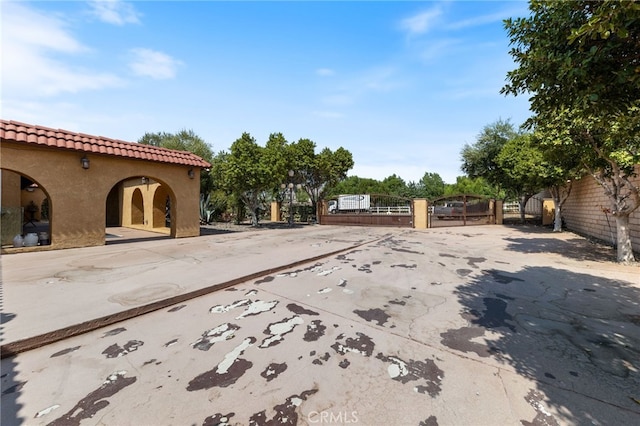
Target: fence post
(420, 213)
(548, 211)
(499, 212)
(276, 215)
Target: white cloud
(154, 64)
(114, 12)
(422, 22)
(29, 27)
(519, 10)
(33, 48)
(325, 72)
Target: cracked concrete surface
(484, 325)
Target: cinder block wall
(584, 212)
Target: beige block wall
(584, 213)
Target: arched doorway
(26, 208)
(137, 208)
(161, 207)
(139, 203)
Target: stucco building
(79, 184)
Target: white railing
(391, 210)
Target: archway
(139, 203)
(161, 207)
(137, 208)
(26, 208)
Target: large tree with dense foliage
(318, 173)
(524, 169)
(480, 160)
(432, 185)
(477, 186)
(357, 185)
(250, 172)
(579, 62)
(184, 140)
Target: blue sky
(403, 85)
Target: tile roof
(64, 139)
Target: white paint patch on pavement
(231, 357)
(220, 309)
(328, 271)
(279, 329)
(46, 411)
(257, 307)
(398, 368)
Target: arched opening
(161, 207)
(114, 206)
(139, 203)
(26, 209)
(137, 208)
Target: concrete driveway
(485, 325)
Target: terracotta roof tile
(58, 138)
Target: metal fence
(532, 210)
(369, 209)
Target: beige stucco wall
(78, 196)
(584, 213)
(149, 218)
(276, 214)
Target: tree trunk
(625, 249)
(522, 201)
(557, 219)
(560, 194)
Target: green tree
(357, 185)
(524, 168)
(477, 186)
(432, 185)
(184, 140)
(250, 172)
(318, 173)
(480, 159)
(578, 61)
(395, 185)
(562, 166)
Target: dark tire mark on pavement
(286, 413)
(65, 351)
(362, 344)
(299, 310)
(375, 314)
(430, 421)
(408, 371)
(114, 332)
(218, 420)
(115, 350)
(315, 330)
(273, 371)
(95, 401)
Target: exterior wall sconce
(191, 174)
(144, 180)
(84, 161)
